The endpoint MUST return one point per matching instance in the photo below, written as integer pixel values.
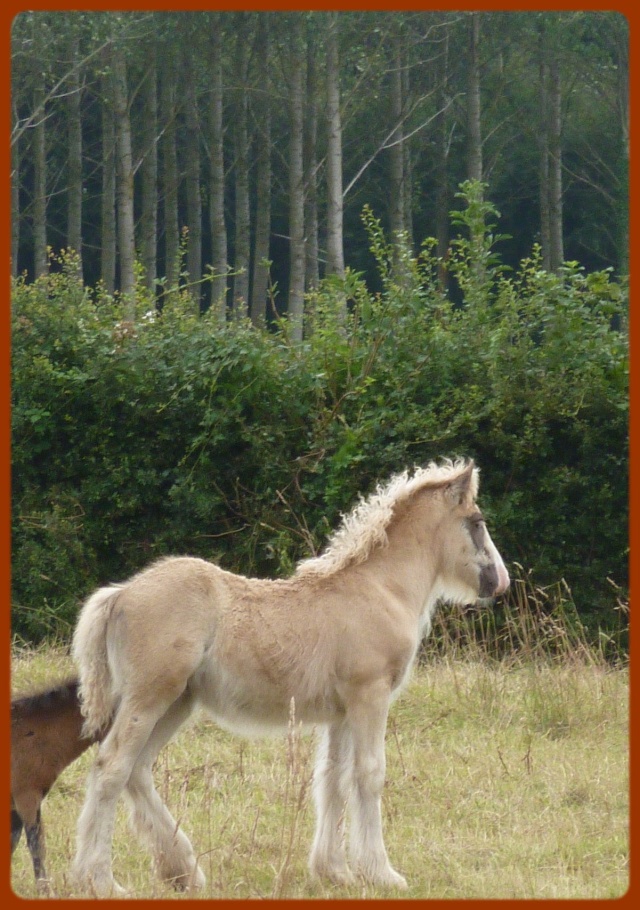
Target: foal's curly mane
(365, 527)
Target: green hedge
(171, 434)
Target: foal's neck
(410, 560)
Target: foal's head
(470, 567)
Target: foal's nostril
(488, 581)
(494, 580)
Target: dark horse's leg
(34, 830)
(16, 829)
(35, 841)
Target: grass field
(505, 779)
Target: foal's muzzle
(493, 581)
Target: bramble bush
(168, 433)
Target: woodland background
(262, 261)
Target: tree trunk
(621, 38)
(124, 173)
(170, 180)
(74, 138)
(108, 249)
(407, 196)
(474, 125)
(15, 196)
(312, 271)
(555, 166)
(40, 259)
(296, 181)
(241, 143)
(442, 166)
(192, 176)
(543, 145)
(335, 243)
(149, 221)
(260, 283)
(474, 138)
(216, 192)
(396, 152)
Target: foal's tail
(89, 651)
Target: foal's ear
(464, 487)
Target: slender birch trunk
(170, 179)
(216, 190)
(474, 139)
(312, 270)
(335, 243)
(192, 177)
(108, 250)
(38, 151)
(74, 159)
(241, 142)
(407, 196)
(555, 166)
(260, 283)
(442, 166)
(124, 174)
(622, 68)
(15, 196)
(397, 224)
(543, 166)
(149, 220)
(474, 124)
(296, 181)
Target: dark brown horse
(46, 736)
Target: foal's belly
(262, 708)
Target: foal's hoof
(107, 890)
(391, 879)
(337, 875)
(99, 886)
(112, 890)
(386, 878)
(188, 881)
(395, 880)
(340, 877)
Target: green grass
(505, 779)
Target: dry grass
(506, 779)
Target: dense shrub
(171, 434)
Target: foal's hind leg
(367, 710)
(331, 785)
(150, 818)
(117, 755)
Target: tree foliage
(174, 433)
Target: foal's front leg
(331, 785)
(367, 711)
